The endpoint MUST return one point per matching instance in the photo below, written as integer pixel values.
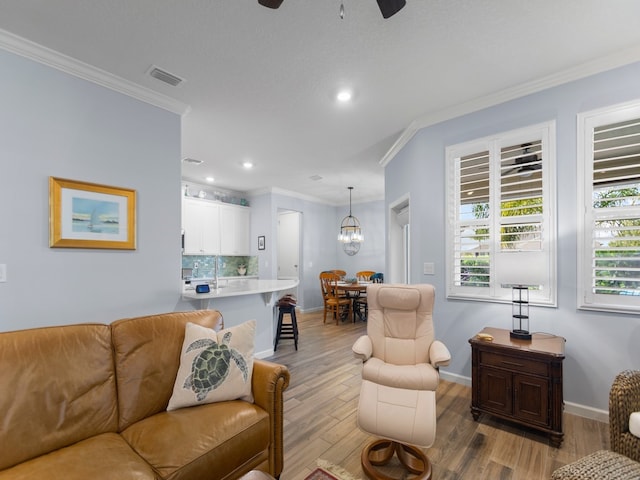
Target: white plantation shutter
(472, 240)
(609, 170)
(501, 216)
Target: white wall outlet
(428, 268)
(3, 272)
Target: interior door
(288, 244)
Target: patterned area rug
(329, 471)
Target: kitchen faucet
(215, 273)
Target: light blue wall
(319, 245)
(54, 124)
(598, 345)
(371, 255)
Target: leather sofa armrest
(363, 348)
(269, 381)
(439, 354)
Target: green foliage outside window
(617, 264)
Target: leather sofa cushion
(58, 387)
(103, 457)
(147, 356)
(207, 441)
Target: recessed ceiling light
(247, 165)
(210, 179)
(344, 96)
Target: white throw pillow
(634, 424)
(214, 366)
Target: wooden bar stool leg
(278, 329)
(286, 330)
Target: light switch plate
(3, 273)
(428, 268)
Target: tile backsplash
(203, 266)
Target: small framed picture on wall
(261, 242)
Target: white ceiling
(260, 83)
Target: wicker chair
(622, 462)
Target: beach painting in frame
(90, 215)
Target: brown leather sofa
(89, 402)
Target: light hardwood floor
(320, 418)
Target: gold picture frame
(90, 215)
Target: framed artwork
(89, 215)
(261, 242)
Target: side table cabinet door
(531, 399)
(496, 390)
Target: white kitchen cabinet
(200, 222)
(212, 228)
(235, 224)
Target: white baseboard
(264, 353)
(455, 378)
(569, 407)
(587, 412)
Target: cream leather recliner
(399, 377)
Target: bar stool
(287, 305)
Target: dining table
(353, 290)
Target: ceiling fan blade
(391, 7)
(270, 3)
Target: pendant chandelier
(350, 232)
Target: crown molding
(288, 193)
(46, 56)
(618, 59)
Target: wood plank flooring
(320, 418)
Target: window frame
(587, 122)
(501, 278)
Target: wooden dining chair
(360, 307)
(340, 273)
(365, 275)
(333, 301)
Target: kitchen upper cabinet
(200, 222)
(235, 224)
(212, 228)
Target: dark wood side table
(519, 380)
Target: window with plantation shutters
(609, 216)
(501, 211)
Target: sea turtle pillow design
(214, 366)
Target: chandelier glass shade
(350, 232)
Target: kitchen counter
(243, 299)
(238, 287)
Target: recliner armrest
(363, 348)
(439, 355)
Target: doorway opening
(399, 242)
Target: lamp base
(520, 334)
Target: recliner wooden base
(381, 452)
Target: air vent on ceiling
(192, 161)
(165, 76)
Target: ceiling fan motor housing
(387, 7)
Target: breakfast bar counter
(236, 287)
(240, 300)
